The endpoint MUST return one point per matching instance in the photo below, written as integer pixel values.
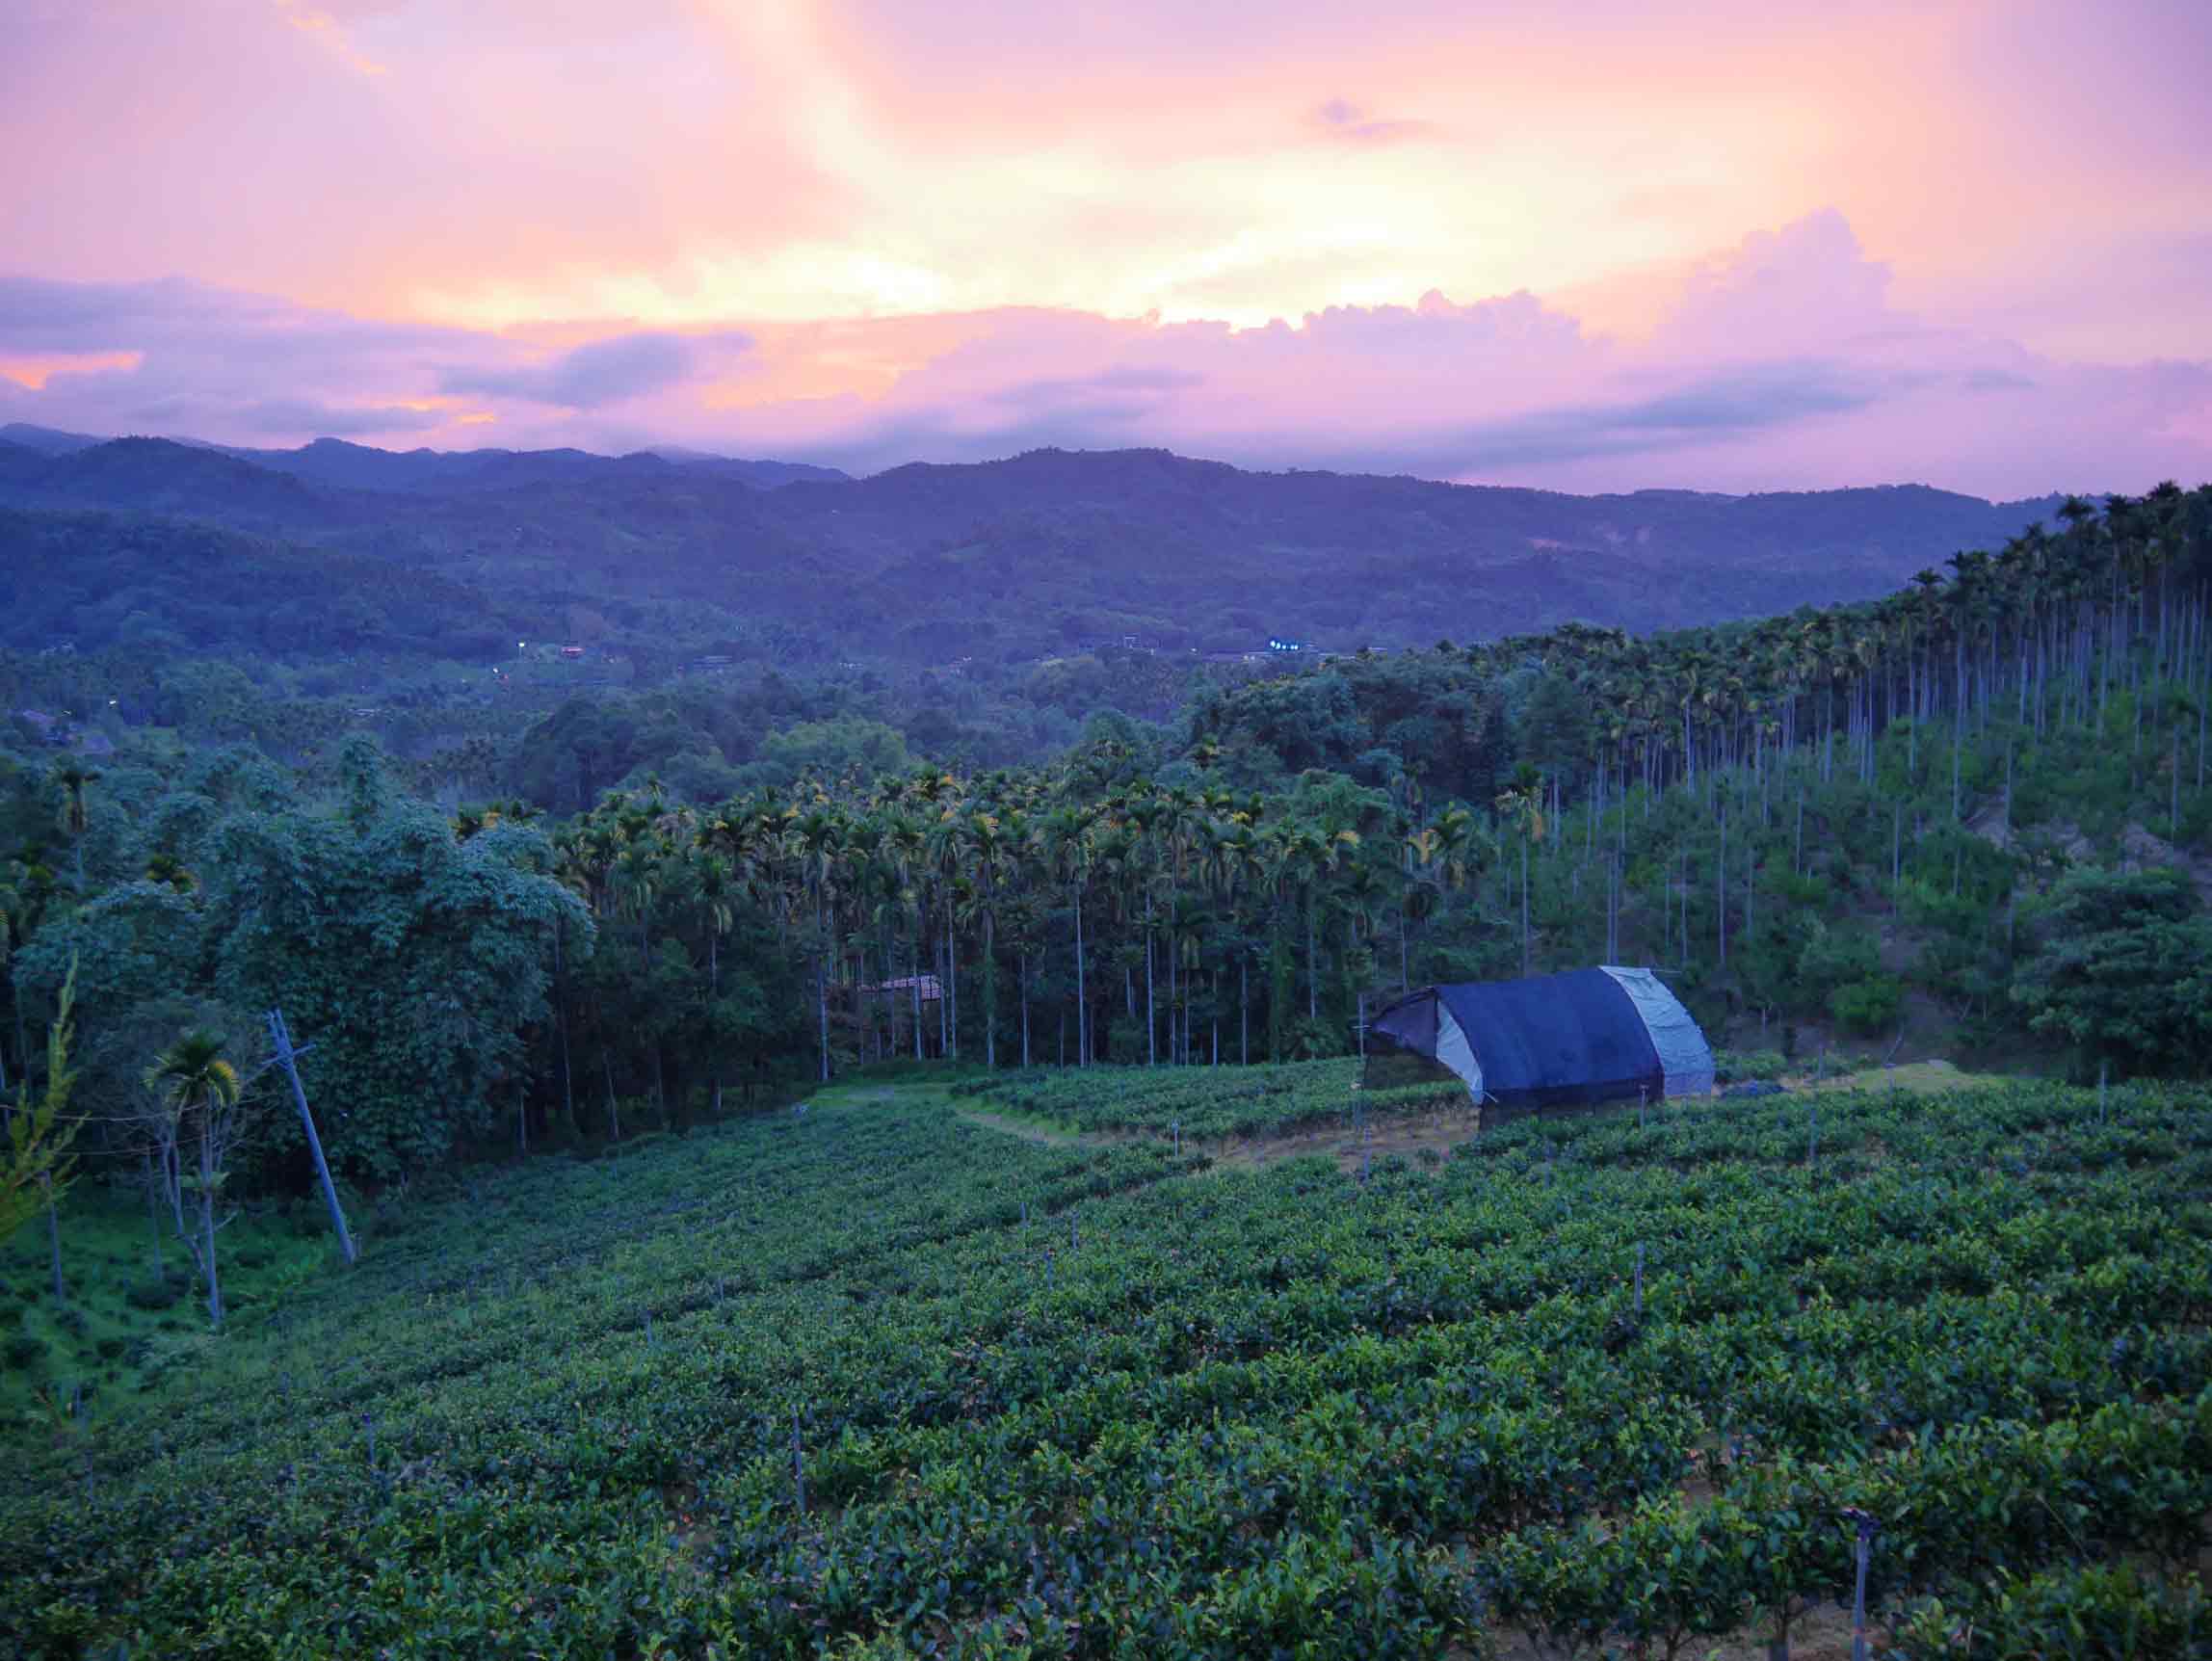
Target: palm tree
(192, 1077)
(73, 781)
(819, 836)
(1523, 802)
(1067, 835)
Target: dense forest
(1970, 815)
(990, 567)
(534, 991)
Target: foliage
(35, 1166)
(1732, 1066)
(1071, 1398)
(2068, 1614)
(1869, 1006)
(2125, 973)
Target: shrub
(23, 1352)
(71, 1322)
(112, 1349)
(1733, 1066)
(161, 1294)
(1867, 1006)
(1833, 959)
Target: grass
(101, 1339)
(1919, 1077)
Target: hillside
(878, 1379)
(1009, 561)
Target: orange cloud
(321, 25)
(32, 373)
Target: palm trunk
(1244, 1009)
(154, 1217)
(560, 1023)
(1025, 1009)
(1312, 966)
(990, 995)
(1152, 1023)
(54, 1239)
(822, 986)
(1721, 890)
(207, 1223)
(1082, 1004)
(1524, 937)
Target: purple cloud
(606, 371)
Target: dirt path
(1042, 1135)
(1410, 1137)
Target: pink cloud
(1780, 363)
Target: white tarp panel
(1456, 1053)
(1684, 1058)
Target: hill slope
(1022, 558)
(877, 1376)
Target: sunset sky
(1618, 244)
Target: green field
(873, 1378)
(125, 1324)
(1205, 1103)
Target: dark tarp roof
(1551, 1041)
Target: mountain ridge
(1033, 553)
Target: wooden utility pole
(287, 1058)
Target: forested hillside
(1009, 561)
(1970, 816)
(1969, 820)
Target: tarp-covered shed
(1557, 1040)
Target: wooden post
(288, 1059)
(1863, 1549)
(798, 1464)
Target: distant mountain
(163, 477)
(345, 466)
(767, 475)
(1355, 558)
(428, 472)
(46, 440)
(1038, 553)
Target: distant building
(1124, 641)
(1285, 644)
(572, 654)
(906, 986)
(48, 729)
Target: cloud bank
(1780, 363)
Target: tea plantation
(873, 1378)
(1206, 1102)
